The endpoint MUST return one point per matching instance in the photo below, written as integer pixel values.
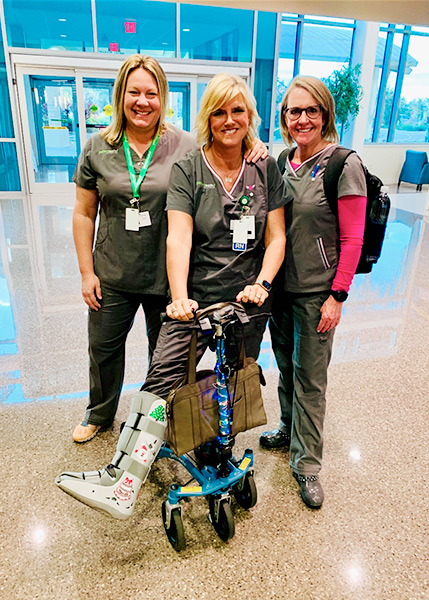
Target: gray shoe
(311, 490)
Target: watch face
(340, 296)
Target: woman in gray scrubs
(322, 254)
(225, 242)
(122, 175)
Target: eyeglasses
(294, 112)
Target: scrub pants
(171, 354)
(108, 329)
(303, 356)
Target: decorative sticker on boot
(158, 414)
(142, 453)
(124, 490)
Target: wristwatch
(339, 295)
(265, 284)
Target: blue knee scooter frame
(227, 474)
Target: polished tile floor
(368, 542)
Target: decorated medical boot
(115, 488)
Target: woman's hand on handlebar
(182, 309)
(91, 290)
(253, 293)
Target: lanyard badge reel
(134, 219)
(243, 229)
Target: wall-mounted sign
(130, 27)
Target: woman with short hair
(225, 242)
(322, 253)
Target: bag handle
(191, 365)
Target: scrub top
(131, 261)
(217, 272)
(312, 240)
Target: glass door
(97, 98)
(61, 107)
(52, 111)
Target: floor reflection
(43, 318)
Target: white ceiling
(409, 12)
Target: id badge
(239, 236)
(131, 219)
(144, 219)
(250, 221)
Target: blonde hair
(322, 96)
(222, 88)
(113, 133)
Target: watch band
(339, 295)
(265, 284)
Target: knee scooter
(226, 474)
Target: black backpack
(377, 207)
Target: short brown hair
(222, 88)
(113, 133)
(322, 96)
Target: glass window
(324, 49)
(9, 174)
(288, 31)
(54, 26)
(321, 49)
(264, 69)
(212, 33)
(412, 125)
(136, 27)
(6, 125)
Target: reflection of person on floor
(225, 243)
(321, 259)
(122, 174)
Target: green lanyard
(136, 182)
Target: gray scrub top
(131, 261)
(217, 273)
(312, 241)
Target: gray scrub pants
(303, 356)
(108, 329)
(171, 354)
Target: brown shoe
(84, 433)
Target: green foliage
(346, 91)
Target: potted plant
(347, 92)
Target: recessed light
(63, 35)
(62, 20)
(186, 30)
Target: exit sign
(130, 27)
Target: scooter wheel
(175, 532)
(247, 496)
(223, 522)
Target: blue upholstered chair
(415, 169)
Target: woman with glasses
(322, 253)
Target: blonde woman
(225, 242)
(122, 175)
